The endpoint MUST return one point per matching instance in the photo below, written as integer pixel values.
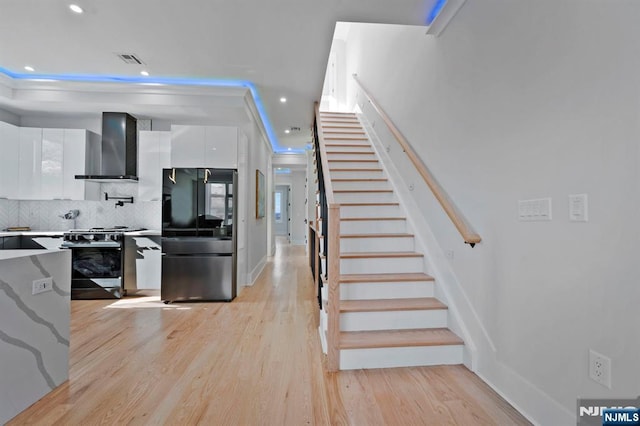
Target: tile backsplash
(45, 215)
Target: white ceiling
(281, 46)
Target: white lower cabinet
(143, 263)
(9, 160)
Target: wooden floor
(255, 361)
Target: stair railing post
(333, 276)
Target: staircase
(388, 315)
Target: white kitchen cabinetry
(154, 154)
(143, 262)
(51, 181)
(30, 164)
(204, 146)
(9, 160)
(77, 161)
(49, 159)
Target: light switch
(534, 210)
(578, 208)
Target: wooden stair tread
(353, 219)
(384, 305)
(376, 236)
(398, 338)
(351, 160)
(333, 126)
(383, 278)
(351, 152)
(379, 254)
(354, 170)
(366, 191)
(360, 180)
(334, 138)
(349, 145)
(368, 204)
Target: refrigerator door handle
(207, 173)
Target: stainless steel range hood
(119, 149)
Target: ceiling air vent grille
(130, 58)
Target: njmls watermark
(604, 412)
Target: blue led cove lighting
(208, 82)
(435, 11)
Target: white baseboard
(538, 407)
(255, 273)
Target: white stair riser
(331, 157)
(323, 339)
(393, 320)
(360, 185)
(375, 226)
(381, 265)
(364, 147)
(364, 197)
(350, 245)
(356, 174)
(372, 291)
(370, 211)
(351, 359)
(354, 165)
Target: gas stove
(95, 236)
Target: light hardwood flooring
(255, 361)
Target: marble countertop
(14, 254)
(42, 233)
(146, 232)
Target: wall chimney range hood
(119, 151)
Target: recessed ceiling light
(283, 99)
(287, 131)
(29, 68)
(289, 149)
(75, 8)
(145, 73)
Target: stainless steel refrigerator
(198, 234)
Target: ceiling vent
(130, 58)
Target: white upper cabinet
(9, 159)
(30, 164)
(52, 163)
(46, 162)
(154, 151)
(204, 146)
(221, 147)
(187, 146)
(76, 161)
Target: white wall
(259, 158)
(519, 100)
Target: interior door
(281, 207)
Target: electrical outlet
(42, 285)
(600, 368)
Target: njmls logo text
(599, 411)
(607, 412)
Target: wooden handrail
(463, 227)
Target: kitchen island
(34, 328)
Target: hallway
(254, 361)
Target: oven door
(96, 271)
